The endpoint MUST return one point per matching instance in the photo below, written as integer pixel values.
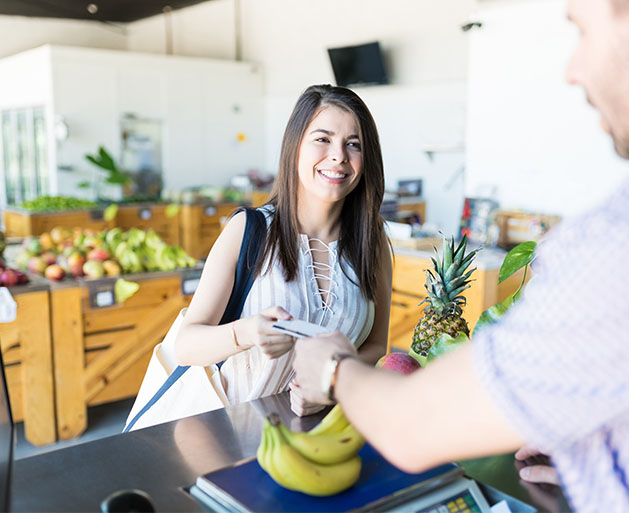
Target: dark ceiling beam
(120, 11)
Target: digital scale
(246, 488)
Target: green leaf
(172, 210)
(116, 177)
(445, 344)
(84, 185)
(106, 161)
(519, 257)
(124, 289)
(493, 314)
(418, 357)
(110, 212)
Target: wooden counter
(27, 354)
(101, 353)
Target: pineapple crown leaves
(449, 278)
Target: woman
(326, 259)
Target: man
(554, 373)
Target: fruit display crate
(200, 226)
(150, 216)
(27, 355)
(102, 349)
(19, 222)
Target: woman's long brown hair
(361, 235)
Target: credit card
(300, 329)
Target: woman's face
(330, 161)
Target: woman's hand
(257, 330)
(298, 403)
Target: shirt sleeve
(558, 363)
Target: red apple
(76, 270)
(54, 272)
(399, 362)
(76, 259)
(98, 254)
(22, 279)
(49, 257)
(9, 278)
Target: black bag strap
(252, 243)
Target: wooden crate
(101, 354)
(200, 226)
(22, 223)
(150, 216)
(409, 277)
(27, 354)
(516, 227)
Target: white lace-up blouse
(249, 375)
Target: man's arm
(437, 414)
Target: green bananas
(321, 464)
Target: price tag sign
(190, 281)
(97, 214)
(210, 211)
(145, 213)
(101, 293)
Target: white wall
(26, 79)
(203, 105)
(531, 136)
(203, 30)
(19, 33)
(426, 54)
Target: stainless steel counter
(161, 460)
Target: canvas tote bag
(168, 391)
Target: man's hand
(535, 467)
(300, 406)
(311, 355)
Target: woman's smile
(332, 176)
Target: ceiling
(121, 11)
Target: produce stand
(27, 354)
(19, 222)
(259, 197)
(102, 352)
(150, 216)
(409, 277)
(201, 225)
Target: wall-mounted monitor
(358, 65)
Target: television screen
(358, 65)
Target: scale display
(461, 503)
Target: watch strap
(332, 373)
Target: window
(23, 155)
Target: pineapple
(445, 284)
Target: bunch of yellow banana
(323, 461)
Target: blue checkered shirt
(558, 364)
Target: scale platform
(246, 488)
